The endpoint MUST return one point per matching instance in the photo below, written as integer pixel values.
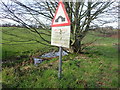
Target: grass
(11, 49)
(97, 68)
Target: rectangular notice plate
(61, 36)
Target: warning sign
(61, 17)
(61, 27)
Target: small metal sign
(61, 36)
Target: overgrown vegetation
(19, 42)
(97, 67)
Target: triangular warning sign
(61, 17)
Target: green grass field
(12, 47)
(96, 68)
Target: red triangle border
(64, 24)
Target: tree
(82, 14)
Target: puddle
(48, 55)
(53, 54)
(37, 60)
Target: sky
(3, 21)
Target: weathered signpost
(60, 32)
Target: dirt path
(111, 36)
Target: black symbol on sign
(60, 31)
(62, 18)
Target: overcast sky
(113, 24)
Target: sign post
(60, 62)
(60, 32)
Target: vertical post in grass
(60, 62)
(60, 35)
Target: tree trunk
(76, 47)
